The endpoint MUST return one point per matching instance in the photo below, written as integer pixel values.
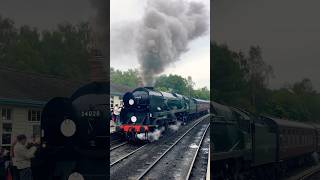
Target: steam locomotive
(250, 146)
(74, 135)
(146, 110)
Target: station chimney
(97, 62)
(98, 67)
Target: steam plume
(161, 36)
(167, 28)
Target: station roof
(26, 86)
(34, 89)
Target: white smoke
(176, 126)
(163, 34)
(152, 136)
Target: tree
(61, 52)
(257, 74)
(241, 79)
(173, 83)
(303, 87)
(128, 78)
(228, 78)
(202, 93)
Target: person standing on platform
(116, 112)
(23, 157)
(14, 169)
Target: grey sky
(46, 14)
(194, 63)
(288, 32)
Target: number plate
(90, 113)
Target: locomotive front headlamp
(68, 127)
(133, 119)
(76, 176)
(131, 102)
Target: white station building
(23, 95)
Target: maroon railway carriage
(295, 139)
(203, 106)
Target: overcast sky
(45, 14)
(194, 63)
(288, 32)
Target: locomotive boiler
(146, 110)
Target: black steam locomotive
(74, 139)
(146, 110)
(249, 146)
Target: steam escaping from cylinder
(166, 29)
(176, 126)
(152, 136)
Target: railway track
(145, 156)
(117, 146)
(119, 156)
(116, 141)
(200, 158)
(312, 173)
(144, 173)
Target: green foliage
(173, 83)
(180, 85)
(167, 83)
(128, 78)
(61, 52)
(241, 80)
(202, 93)
(228, 78)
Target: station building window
(6, 138)
(34, 115)
(6, 126)
(6, 114)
